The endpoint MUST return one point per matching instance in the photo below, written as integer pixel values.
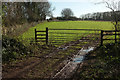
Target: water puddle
(72, 64)
(88, 50)
(78, 59)
(81, 54)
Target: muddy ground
(47, 63)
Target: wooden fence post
(115, 36)
(119, 36)
(101, 37)
(46, 36)
(35, 35)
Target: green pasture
(55, 36)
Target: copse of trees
(21, 12)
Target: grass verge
(102, 63)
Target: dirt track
(45, 65)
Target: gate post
(115, 36)
(35, 35)
(101, 38)
(47, 36)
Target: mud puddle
(68, 70)
(81, 54)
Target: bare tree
(114, 6)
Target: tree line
(67, 14)
(101, 16)
(21, 12)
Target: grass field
(67, 25)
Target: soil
(47, 65)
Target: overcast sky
(78, 7)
